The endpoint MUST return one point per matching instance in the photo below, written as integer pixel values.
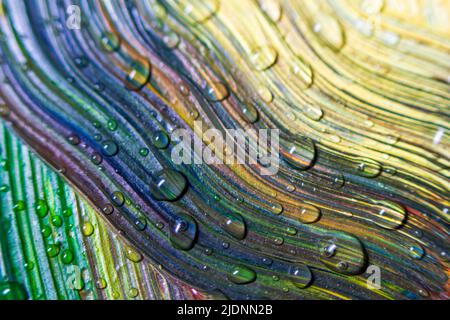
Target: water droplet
(200, 11)
(87, 229)
(372, 7)
(160, 139)
(307, 213)
(73, 139)
(46, 231)
(96, 158)
(168, 185)
(41, 208)
(67, 256)
(101, 283)
(133, 292)
(276, 208)
(263, 57)
(143, 152)
(278, 241)
(329, 31)
(56, 221)
(117, 198)
(4, 188)
(133, 255)
(112, 124)
(12, 290)
(183, 231)
(53, 250)
(110, 148)
(250, 113)
(80, 62)
(368, 168)
(242, 275)
(291, 231)
(272, 9)
(343, 253)
(416, 251)
(313, 112)
(138, 75)
(329, 250)
(300, 276)
(19, 206)
(300, 153)
(265, 94)
(387, 214)
(304, 72)
(217, 91)
(171, 40)
(108, 209)
(110, 42)
(234, 224)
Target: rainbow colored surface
(93, 207)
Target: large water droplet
(387, 214)
(242, 275)
(329, 31)
(110, 148)
(300, 276)
(183, 231)
(168, 185)
(342, 253)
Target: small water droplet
(242, 275)
(168, 185)
(272, 9)
(160, 139)
(133, 255)
(300, 276)
(234, 224)
(117, 198)
(199, 11)
(329, 31)
(110, 148)
(217, 91)
(183, 231)
(87, 229)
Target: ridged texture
(358, 89)
(54, 246)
